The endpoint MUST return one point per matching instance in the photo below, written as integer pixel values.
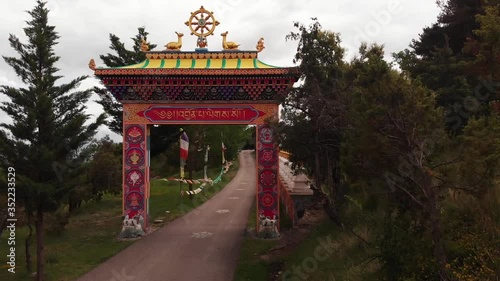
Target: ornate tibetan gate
(197, 87)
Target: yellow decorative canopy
(200, 63)
(178, 63)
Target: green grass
(88, 240)
(90, 237)
(306, 249)
(348, 259)
(250, 265)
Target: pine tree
(441, 58)
(455, 23)
(486, 46)
(48, 126)
(123, 57)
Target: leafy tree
(471, 211)
(163, 137)
(486, 46)
(48, 123)
(381, 135)
(394, 120)
(396, 146)
(455, 23)
(234, 138)
(105, 171)
(314, 110)
(376, 137)
(122, 57)
(100, 173)
(441, 60)
(3, 201)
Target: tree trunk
(318, 191)
(437, 236)
(27, 245)
(4, 224)
(70, 204)
(317, 172)
(73, 203)
(336, 175)
(40, 255)
(330, 182)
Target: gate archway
(197, 87)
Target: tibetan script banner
(213, 114)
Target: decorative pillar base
(132, 228)
(268, 228)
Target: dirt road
(203, 245)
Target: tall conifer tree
(49, 124)
(122, 57)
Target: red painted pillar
(267, 179)
(135, 173)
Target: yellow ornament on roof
(173, 46)
(228, 45)
(260, 45)
(202, 23)
(144, 45)
(92, 65)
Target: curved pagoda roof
(172, 76)
(198, 63)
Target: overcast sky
(84, 27)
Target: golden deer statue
(228, 45)
(175, 45)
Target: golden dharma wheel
(202, 23)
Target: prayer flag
(184, 148)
